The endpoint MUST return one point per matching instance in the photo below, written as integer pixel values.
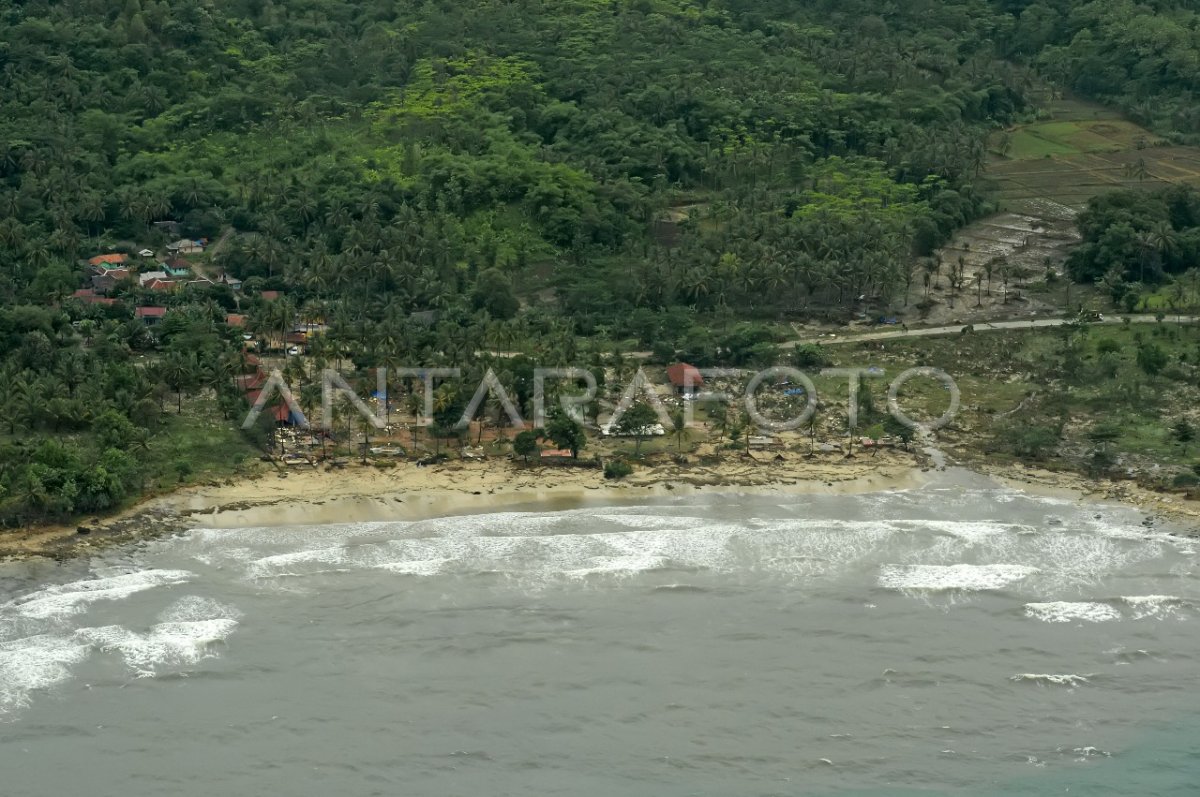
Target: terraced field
(1080, 150)
(1026, 240)
(1042, 174)
(1071, 180)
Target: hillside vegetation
(430, 182)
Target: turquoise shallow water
(962, 638)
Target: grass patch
(1028, 143)
(1071, 382)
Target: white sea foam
(1159, 607)
(790, 547)
(1048, 679)
(37, 662)
(187, 629)
(1067, 612)
(651, 522)
(543, 555)
(624, 540)
(420, 567)
(164, 645)
(973, 532)
(527, 544)
(296, 562)
(66, 599)
(192, 608)
(1090, 752)
(618, 564)
(952, 577)
(1081, 559)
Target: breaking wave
(1069, 612)
(73, 598)
(952, 577)
(1045, 679)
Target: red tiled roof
(98, 259)
(270, 296)
(235, 320)
(161, 285)
(250, 382)
(149, 312)
(279, 410)
(88, 296)
(678, 372)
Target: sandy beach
(406, 491)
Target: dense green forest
(1138, 237)
(1143, 58)
(542, 176)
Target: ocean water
(960, 638)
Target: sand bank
(405, 491)
(409, 492)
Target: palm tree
(1163, 239)
(91, 210)
(720, 421)
(365, 425)
(1146, 248)
(178, 373)
(311, 399)
(679, 429)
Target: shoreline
(405, 491)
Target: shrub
(1185, 479)
(617, 469)
(809, 355)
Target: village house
(107, 278)
(161, 285)
(150, 276)
(177, 268)
(89, 296)
(146, 253)
(185, 246)
(109, 260)
(768, 457)
(248, 382)
(277, 409)
(685, 379)
(149, 315)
